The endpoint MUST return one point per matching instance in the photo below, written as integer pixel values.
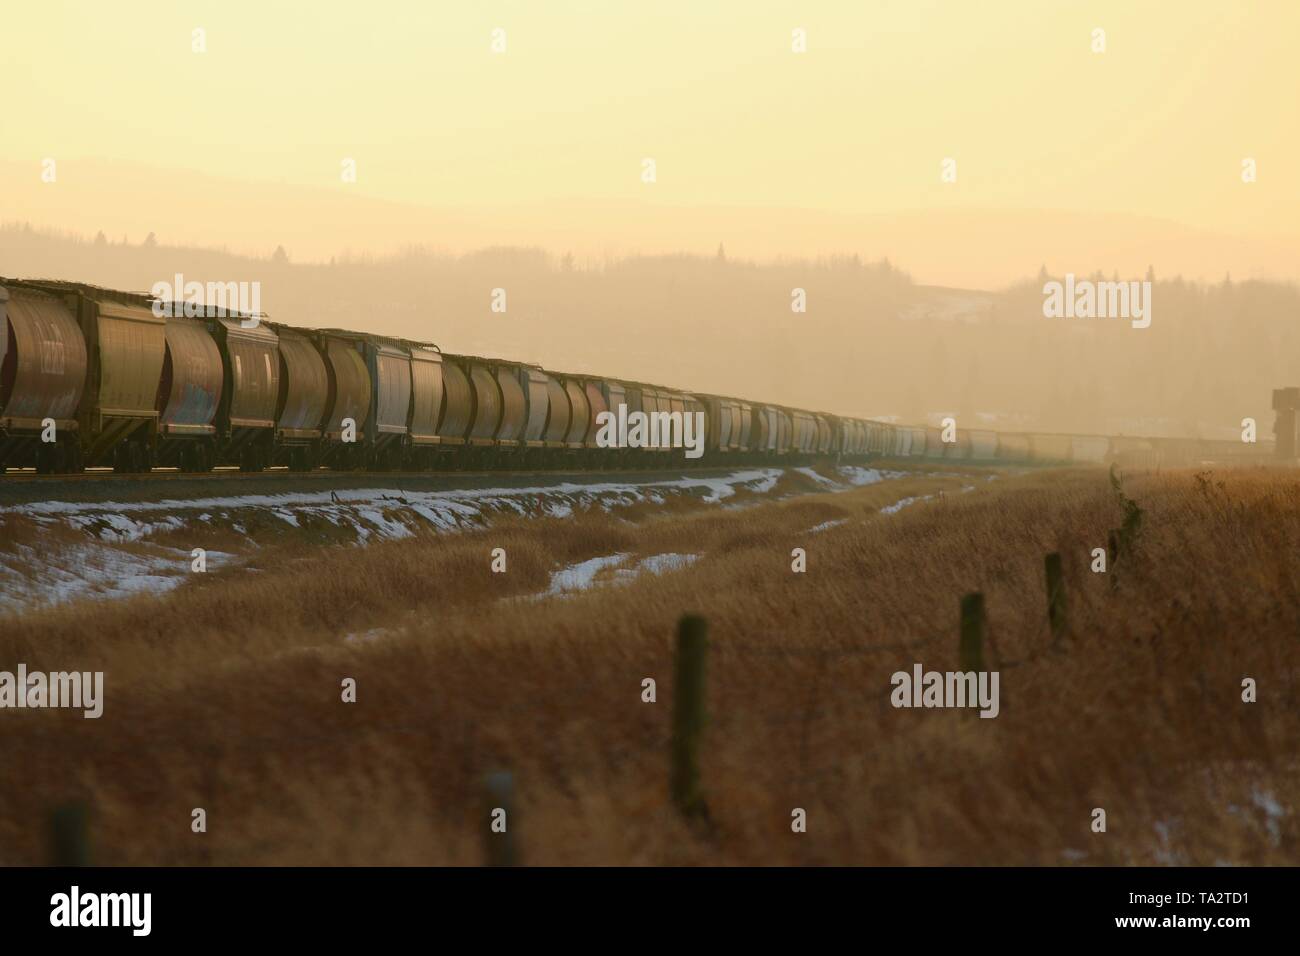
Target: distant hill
(872, 342)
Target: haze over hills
(872, 341)
(956, 245)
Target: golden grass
(225, 694)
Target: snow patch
(826, 525)
(581, 576)
(899, 505)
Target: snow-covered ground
(584, 575)
(75, 549)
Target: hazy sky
(1156, 126)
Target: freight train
(91, 377)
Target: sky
(1100, 159)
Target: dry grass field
(225, 693)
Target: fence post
(1112, 556)
(501, 796)
(688, 715)
(971, 648)
(1056, 615)
(69, 832)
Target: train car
(427, 390)
(902, 442)
(537, 401)
(597, 406)
(675, 437)
(1049, 449)
(848, 431)
(934, 443)
(125, 343)
(784, 433)
(250, 390)
(745, 442)
(871, 439)
(302, 402)
(695, 431)
(509, 435)
(660, 432)
(457, 411)
(1180, 452)
(1234, 450)
(805, 433)
(343, 429)
(383, 434)
(1013, 446)
(488, 406)
(823, 437)
(723, 417)
(889, 439)
(580, 418)
(961, 447)
(559, 415)
(388, 363)
(1129, 452)
(761, 432)
(189, 396)
(614, 394)
(860, 438)
(1092, 449)
(43, 365)
(893, 441)
(983, 444)
(735, 427)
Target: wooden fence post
(971, 648)
(69, 833)
(1056, 613)
(501, 797)
(1112, 555)
(688, 715)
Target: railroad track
(27, 488)
(28, 475)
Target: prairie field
(225, 693)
